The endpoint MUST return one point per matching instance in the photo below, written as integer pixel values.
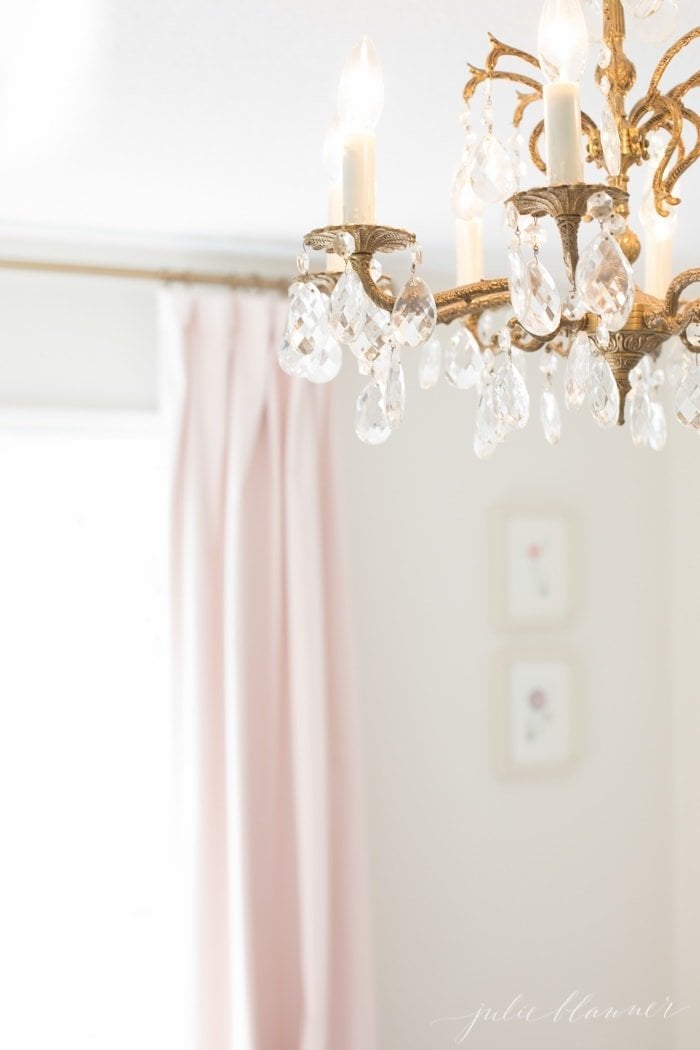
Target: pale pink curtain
(268, 751)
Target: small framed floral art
(531, 582)
(536, 713)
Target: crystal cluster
(319, 327)
(578, 328)
(482, 357)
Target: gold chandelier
(608, 331)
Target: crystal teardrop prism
(307, 323)
(371, 423)
(493, 173)
(550, 417)
(642, 8)
(414, 315)
(687, 398)
(511, 399)
(516, 282)
(348, 309)
(638, 415)
(323, 364)
(605, 281)
(464, 363)
(290, 361)
(657, 427)
(429, 364)
(578, 370)
(465, 203)
(605, 397)
(489, 428)
(610, 140)
(542, 313)
(692, 333)
(375, 334)
(395, 391)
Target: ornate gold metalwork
(664, 110)
(651, 320)
(368, 239)
(566, 205)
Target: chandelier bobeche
(608, 332)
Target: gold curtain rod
(141, 273)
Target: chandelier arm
(523, 102)
(685, 159)
(677, 287)
(498, 48)
(666, 113)
(480, 75)
(361, 263)
(669, 55)
(682, 89)
(452, 304)
(471, 299)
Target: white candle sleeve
(562, 133)
(470, 250)
(658, 266)
(359, 177)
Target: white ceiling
(206, 117)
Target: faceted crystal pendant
(378, 367)
(687, 399)
(599, 205)
(375, 333)
(290, 361)
(465, 203)
(550, 417)
(489, 430)
(493, 173)
(323, 364)
(511, 400)
(578, 370)
(348, 311)
(610, 140)
(658, 29)
(429, 364)
(692, 333)
(516, 282)
(464, 363)
(542, 313)
(605, 282)
(678, 360)
(395, 391)
(486, 327)
(638, 414)
(371, 423)
(657, 427)
(307, 324)
(605, 397)
(414, 314)
(642, 8)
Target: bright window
(87, 937)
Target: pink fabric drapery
(270, 796)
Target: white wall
(684, 548)
(485, 888)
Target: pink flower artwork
(540, 714)
(535, 556)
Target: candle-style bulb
(361, 88)
(562, 40)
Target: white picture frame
(532, 585)
(536, 714)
